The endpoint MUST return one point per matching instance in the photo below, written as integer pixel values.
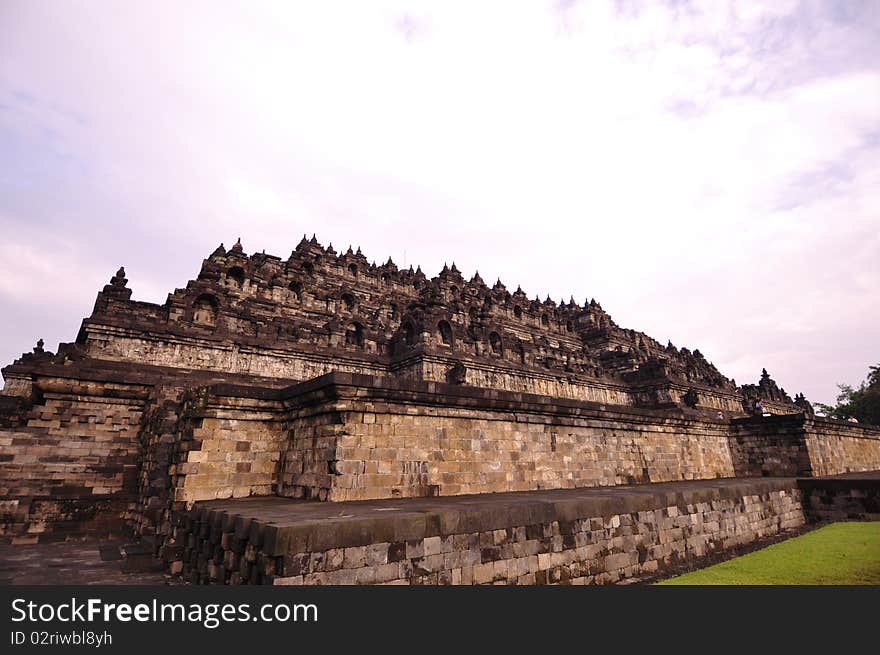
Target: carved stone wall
(320, 311)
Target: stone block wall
(84, 455)
(510, 378)
(769, 446)
(199, 445)
(72, 468)
(237, 457)
(795, 445)
(844, 498)
(223, 445)
(364, 438)
(310, 465)
(709, 401)
(215, 354)
(566, 538)
(840, 447)
(13, 411)
(400, 452)
(270, 360)
(161, 440)
(353, 437)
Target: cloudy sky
(708, 171)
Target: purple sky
(709, 172)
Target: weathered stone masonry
(72, 467)
(842, 498)
(354, 437)
(562, 537)
(798, 445)
(351, 437)
(325, 377)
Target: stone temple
(483, 429)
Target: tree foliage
(863, 403)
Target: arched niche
(495, 344)
(409, 333)
(205, 310)
(235, 276)
(445, 331)
(354, 335)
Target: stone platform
(599, 535)
(577, 536)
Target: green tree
(862, 403)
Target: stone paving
(75, 563)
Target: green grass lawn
(836, 554)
